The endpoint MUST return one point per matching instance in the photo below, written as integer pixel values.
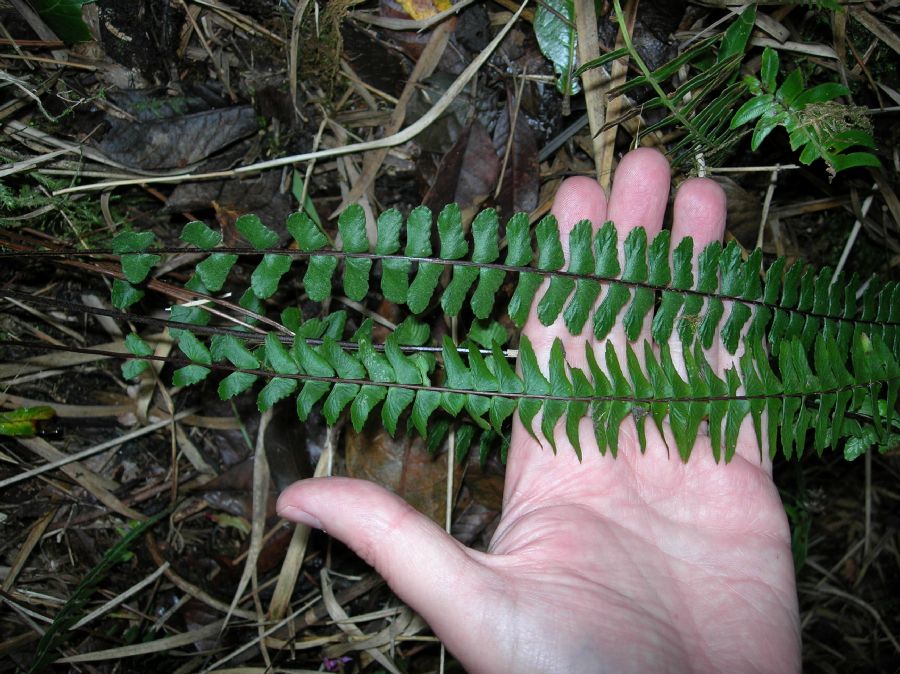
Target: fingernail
(300, 517)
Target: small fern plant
(818, 126)
(706, 105)
(816, 352)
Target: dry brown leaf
(522, 177)
(467, 172)
(402, 465)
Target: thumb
(427, 568)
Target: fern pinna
(814, 350)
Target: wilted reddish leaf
(522, 176)
(402, 465)
(467, 173)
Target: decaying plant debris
(138, 518)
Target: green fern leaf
(312, 363)
(190, 313)
(193, 348)
(136, 266)
(601, 406)
(560, 387)
(458, 377)
(619, 408)
(138, 347)
(347, 367)
(412, 332)
(305, 232)
(309, 238)
(810, 321)
(277, 389)
(130, 241)
(534, 384)
(519, 253)
(189, 375)
(398, 399)
(672, 302)
(550, 258)
(508, 381)
(235, 384)
(500, 410)
(636, 269)
(586, 290)
(252, 229)
(278, 357)
(707, 283)
(661, 387)
(738, 410)
(577, 409)
(266, 277)
(352, 226)
(123, 294)
(214, 270)
(394, 273)
(425, 404)
(418, 244)
(366, 400)
(455, 247)
(198, 234)
(485, 232)
(229, 347)
(640, 384)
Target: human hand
(641, 563)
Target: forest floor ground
(204, 86)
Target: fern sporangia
(813, 350)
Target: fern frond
(799, 394)
(728, 296)
(782, 303)
(833, 354)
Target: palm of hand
(641, 563)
